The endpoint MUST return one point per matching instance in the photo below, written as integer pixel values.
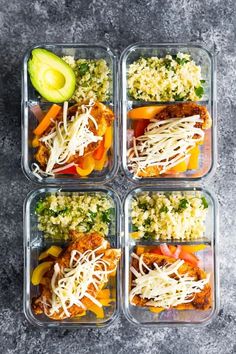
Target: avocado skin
(41, 60)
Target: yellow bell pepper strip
(98, 311)
(39, 272)
(81, 314)
(147, 112)
(104, 294)
(193, 248)
(53, 111)
(106, 302)
(51, 251)
(88, 165)
(35, 142)
(108, 138)
(156, 309)
(193, 161)
(181, 167)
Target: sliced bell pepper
(51, 251)
(104, 294)
(193, 248)
(189, 258)
(108, 137)
(88, 165)
(98, 311)
(194, 157)
(98, 153)
(39, 272)
(35, 142)
(156, 309)
(68, 171)
(140, 126)
(99, 164)
(147, 112)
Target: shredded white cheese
(69, 137)
(165, 143)
(164, 286)
(70, 285)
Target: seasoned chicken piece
(82, 243)
(42, 154)
(186, 109)
(201, 301)
(102, 115)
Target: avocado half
(51, 76)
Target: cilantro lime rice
(60, 214)
(172, 78)
(169, 216)
(92, 78)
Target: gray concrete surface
(119, 23)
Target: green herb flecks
(199, 91)
(204, 203)
(83, 68)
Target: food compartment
(170, 280)
(83, 152)
(166, 136)
(57, 223)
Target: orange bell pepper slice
(98, 153)
(46, 121)
(147, 112)
(88, 165)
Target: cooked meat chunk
(201, 300)
(81, 243)
(186, 109)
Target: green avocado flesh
(51, 76)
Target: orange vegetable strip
(146, 112)
(46, 121)
(98, 153)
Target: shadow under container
(35, 243)
(206, 61)
(142, 316)
(31, 99)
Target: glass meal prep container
(142, 316)
(203, 58)
(31, 100)
(35, 243)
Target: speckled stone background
(119, 23)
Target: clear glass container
(30, 99)
(35, 243)
(142, 316)
(206, 60)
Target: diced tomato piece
(140, 126)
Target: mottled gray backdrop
(119, 23)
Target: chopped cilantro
(204, 203)
(147, 222)
(180, 61)
(83, 68)
(143, 206)
(39, 207)
(134, 228)
(183, 204)
(164, 209)
(149, 235)
(106, 215)
(199, 91)
(178, 98)
(202, 81)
